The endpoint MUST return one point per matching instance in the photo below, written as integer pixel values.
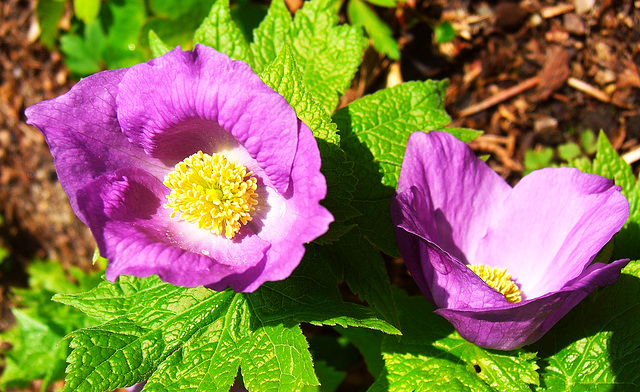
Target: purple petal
(463, 190)
(134, 232)
(83, 134)
(551, 227)
(446, 281)
(199, 97)
(524, 323)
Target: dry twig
(499, 97)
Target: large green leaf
(596, 347)
(196, 339)
(431, 356)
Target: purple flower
(188, 167)
(453, 212)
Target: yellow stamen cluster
(498, 279)
(212, 192)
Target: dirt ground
(529, 73)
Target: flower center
(499, 280)
(212, 192)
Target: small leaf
(158, 48)
(361, 15)
(327, 54)
(569, 151)
(220, 32)
(86, 10)
(444, 32)
(268, 38)
(49, 13)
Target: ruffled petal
(463, 190)
(84, 136)
(551, 227)
(135, 233)
(201, 97)
(520, 324)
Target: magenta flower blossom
(502, 264)
(188, 167)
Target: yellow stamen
(212, 192)
(499, 280)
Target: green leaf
(270, 35)
(569, 151)
(283, 75)
(431, 356)
(220, 32)
(49, 13)
(609, 164)
(385, 3)
(327, 54)
(354, 260)
(597, 345)
(329, 378)
(36, 351)
(158, 47)
(196, 339)
(444, 32)
(123, 31)
(369, 343)
(374, 132)
(361, 15)
(86, 10)
(174, 9)
(537, 159)
(83, 56)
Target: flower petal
(201, 97)
(135, 233)
(86, 146)
(524, 323)
(551, 227)
(443, 279)
(463, 190)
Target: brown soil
(544, 68)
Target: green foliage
(381, 35)
(597, 345)
(327, 54)
(444, 32)
(49, 13)
(537, 159)
(174, 335)
(37, 351)
(374, 132)
(355, 261)
(86, 10)
(431, 356)
(220, 32)
(574, 153)
(157, 46)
